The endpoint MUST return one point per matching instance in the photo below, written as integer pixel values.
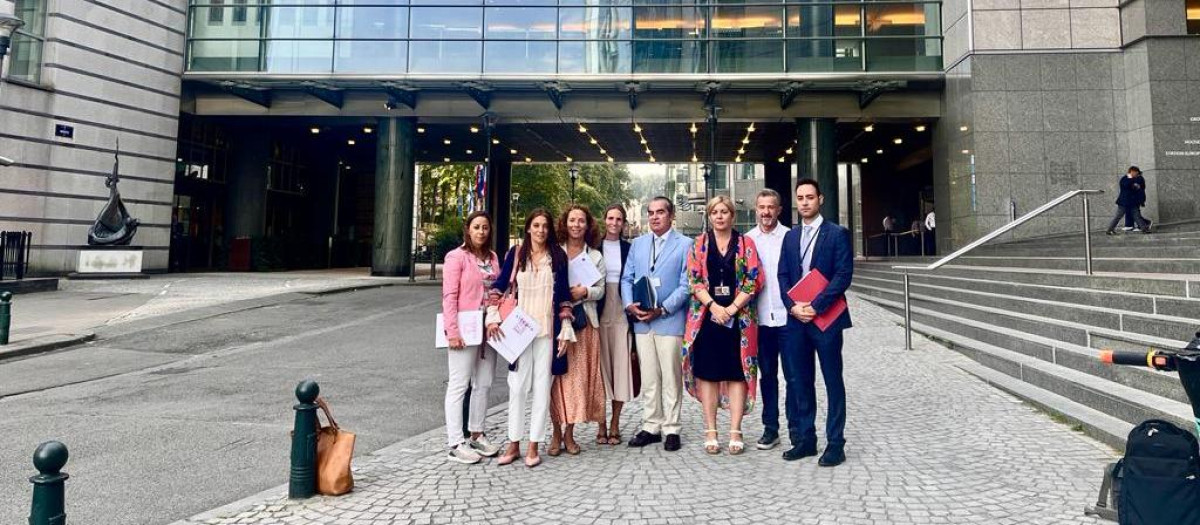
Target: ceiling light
(351, 142)
(446, 141)
(368, 130)
(738, 159)
(751, 128)
(921, 128)
(782, 159)
(898, 141)
(569, 159)
(643, 140)
(594, 141)
(693, 129)
(648, 152)
(610, 159)
(865, 160)
(869, 128)
(636, 128)
(746, 140)
(512, 152)
(966, 152)
(789, 151)
(495, 141)
(527, 159)
(474, 129)
(315, 130)
(603, 152)
(420, 130)
(694, 159)
(963, 128)
(879, 152)
(445, 159)
(469, 152)
(582, 129)
(652, 159)
(741, 151)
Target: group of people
(718, 314)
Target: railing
(1087, 247)
(14, 254)
(893, 242)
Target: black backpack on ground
(1158, 480)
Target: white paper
(470, 327)
(519, 332)
(581, 271)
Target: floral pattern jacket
(750, 280)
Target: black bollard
(303, 483)
(49, 502)
(5, 316)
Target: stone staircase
(1034, 323)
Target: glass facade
(566, 37)
(25, 56)
(1193, 17)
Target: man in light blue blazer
(661, 256)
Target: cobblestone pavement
(927, 444)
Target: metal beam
(479, 93)
(261, 97)
(333, 97)
(865, 98)
(789, 94)
(710, 93)
(556, 92)
(408, 97)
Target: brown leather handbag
(335, 448)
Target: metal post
(432, 265)
(922, 230)
(5, 315)
(1087, 235)
(412, 268)
(49, 498)
(303, 482)
(907, 315)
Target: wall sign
(64, 131)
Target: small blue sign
(64, 131)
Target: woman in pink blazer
(469, 272)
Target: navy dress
(717, 352)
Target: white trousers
(531, 378)
(466, 368)
(662, 382)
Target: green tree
(549, 186)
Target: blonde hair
(719, 200)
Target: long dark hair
(589, 234)
(558, 258)
(483, 252)
(624, 219)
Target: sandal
(614, 438)
(602, 438)
(735, 445)
(573, 449)
(555, 448)
(712, 446)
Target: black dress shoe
(644, 438)
(768, 440)
(832, 457)
(801, 452)
(672, 443)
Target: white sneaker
(463, 454)
(1127, 228)
(483, 447)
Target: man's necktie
(806, 245)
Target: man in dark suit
(816, 244)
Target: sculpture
(114, 226)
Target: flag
(479, 194)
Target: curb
(43, 344)
(274, 493)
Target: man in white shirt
(772, 314)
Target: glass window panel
(447, 2)
(371, 56)
(595, 23)
(216, 14)
(241, 12)
(597, 2)
(25, 58)
(33, 12)
(902, 20)
(300, 22)
(1193, 17)
(668, 22)
(600, 56)
(447, 23)
(372, 22)
(299, 56)
(372, 2)
(225, 55)
(824, 21)
(748, 56)
(669, 56)
(445, 56)
(747, 22)
(521, 2)
(520, 23)
(228, 27)
(903, 54)
(824, 55)
(518, 57)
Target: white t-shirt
(771, 312)
(612, 261)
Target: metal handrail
(1087, 247)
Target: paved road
(168, 422)
(927, 444)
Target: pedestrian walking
(578, 395)
(617, 365)
(720, 344)
(820, 245)
(659, 256)
(469, 271)
(538, 269)
(1130, 199)
(768, 237)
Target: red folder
(808, 289)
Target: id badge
(656, 282)
(722, 291)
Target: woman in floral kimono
(720, 343)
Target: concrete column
(817, 159)
(395, 175)
(499, 197)
(779, 178)
(247, 197)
